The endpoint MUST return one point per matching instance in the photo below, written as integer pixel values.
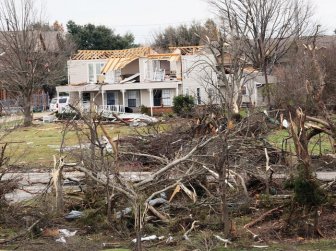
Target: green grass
(35, 146)
(315, 147)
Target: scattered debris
(193, 226)
(191, 194)
(74, 215)
(149, 238)
(226, 241)
(49, 118)
(65, 233)
(123, 212)
(61, 240)
(170, 239)
(157, 201)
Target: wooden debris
(158, 214)
(193, 226)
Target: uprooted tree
(30, 57)
(181, 162)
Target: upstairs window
(198, 96)
(244, 90)
(210, 93)
(95, 71)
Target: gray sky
(144, 17)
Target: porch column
(124, 99)
(80, 99)
(151, 101)
(103, 99)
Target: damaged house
(115, 79)
(112, 80)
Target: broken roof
(107, 54)
(166, 56)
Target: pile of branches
(222, 168)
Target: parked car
(57, 104)
(52, 105)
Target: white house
(201, 81)
(115, 79)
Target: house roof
(107, 54)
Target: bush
(183, 105)
(308, 192)
(67, 115)
(144, 110)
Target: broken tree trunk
(57, 185)
(221, 168)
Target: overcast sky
(145, 17)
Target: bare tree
(266, 27)
(30, 58)
(221, 67)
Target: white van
(58, 104)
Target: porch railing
(111, 108)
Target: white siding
(78, 70)
(197, 76)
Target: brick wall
(161, 110)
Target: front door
(157, 97)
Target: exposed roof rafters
(107, 54)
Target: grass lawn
(35, 146)
(315, 147)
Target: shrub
(183, 105)
(308, 192)
(144, 110)
(67, 115)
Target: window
(187, 91)
(243, 90)
(62, 100)
(91, 73)
(132, 98)
(198, 96)
(153, 71)
(210, 93)
(113, 77)
(86, 97)
(95, 71)
(166, 97)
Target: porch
(110, 98)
